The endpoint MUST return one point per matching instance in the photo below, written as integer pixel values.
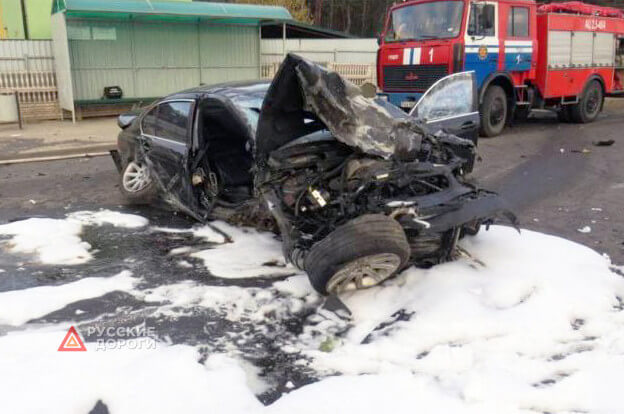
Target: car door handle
(468, 125)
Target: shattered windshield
(434, 20)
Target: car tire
(359, 254)
(590, 104)
(144, 191)
(493, 111)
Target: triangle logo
(72, 341)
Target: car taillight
(458, 57)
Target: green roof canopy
(169, 10)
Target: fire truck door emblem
(483, 52)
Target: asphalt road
(552, 175)
(558, 181)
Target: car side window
(518, 22)
(174, 120)
(148, 124)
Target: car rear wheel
(590, 104)
(359, 254)
(493, 111)
(136, 184)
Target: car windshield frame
(449, 14)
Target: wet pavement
(558, 181)
(145, 252)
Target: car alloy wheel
(135, 177)
(364, 272)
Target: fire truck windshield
(431, 20)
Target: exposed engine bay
(324, 184)
(362, 158)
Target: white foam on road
(154, 379)
(166, 379)
(539, 321)
(52, 241)
(401, 393)
(231, 302)
(206, 232)
(114, 218)
(530, 323)
(250, 254)
(19, 306)
(57, 241)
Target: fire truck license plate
(408, 104)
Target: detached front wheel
(359, 254)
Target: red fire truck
(564, 56)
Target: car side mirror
(378, 40)
(125, 120)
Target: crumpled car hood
(304, 98)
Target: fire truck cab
(563, 56)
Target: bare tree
(363, 26)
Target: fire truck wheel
(493, 111)
(590, 104)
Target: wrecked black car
(357, 188)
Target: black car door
(451, 105)
(166, 133)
